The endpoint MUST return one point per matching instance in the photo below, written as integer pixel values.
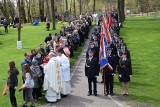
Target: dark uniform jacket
(112, 62)
(125, 69)
(91, 68)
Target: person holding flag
(109, 72)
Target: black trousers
(23, 90)
(12, 97)
(35, 93)
(94, 80)
(6, 29)
(109, 84)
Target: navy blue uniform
(91, 71)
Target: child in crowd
(28, 85)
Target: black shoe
(124, 94)
(111, 94)
(95, 94)
(127, 94)
(32, 106)
(106, 94)
(63, 95)
(89, 94)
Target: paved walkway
(79, 84)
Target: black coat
(13, 79)
(125, 70)
(91, 68)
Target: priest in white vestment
(52, 80)
(65, 70)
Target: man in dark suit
(91, 72)
(109, 73)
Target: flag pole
(104, 80)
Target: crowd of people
(55, 57)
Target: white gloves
(120, 76)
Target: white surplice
(65, 70)
(52, 80)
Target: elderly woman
(36, 77)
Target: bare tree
(41, 9)
(23, 14)
(11, 9)
(66, 4)
(80, 6)
(48, 11)
(53, 15)
(74, 8)
(121, 4)
(4, 9)
(94, 6)
(28, 2)
(70, 7)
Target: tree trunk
(122, 8)
(28, 10)
(74, 8)
(70, 7)
(23, 14)
(6, 11)
(87, 5)
(121, 11)
(66, 4)
(80, 7)
(11, 9)
(94, 6)
(53, 15)
(48, 11)
(41, 9)
(19, 27)
(33, 8)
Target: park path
(79, 84)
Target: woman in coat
(125, 72)
(37, 79)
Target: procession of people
(48, 68)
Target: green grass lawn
(31, 37)
(142, 36)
